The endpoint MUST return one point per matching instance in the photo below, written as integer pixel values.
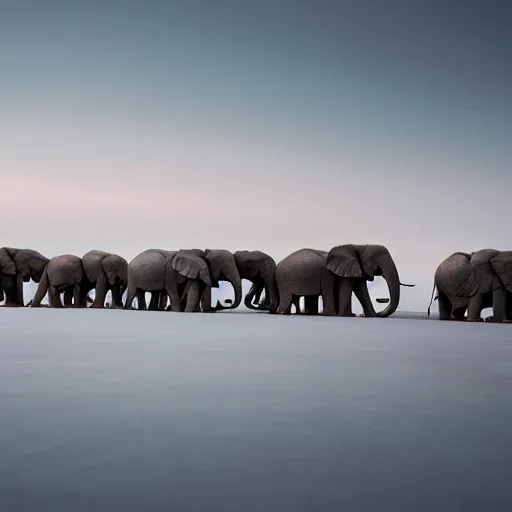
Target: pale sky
(271, 125)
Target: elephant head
(223, 267)
(367, 261)
(30, 263)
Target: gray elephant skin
(185, 277)
(63, 274)
(16, 267)
(472, 282)
(335, 275)
(104, 272)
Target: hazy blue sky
(260, 124)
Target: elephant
(18, 266)
(473, 282)
(63, 273)
(259, 268)
(305, 273)
(185, 276)
(152, 271)
(335, 275)
(104, 271)
(223, 267)
(354, 265)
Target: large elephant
(104, 271)
(185, 277)
(354, 265)
(305, 273)
(152, 271)
(334, 275)
(63, 274)
(472, 282)
(18, 266)
(259, 268)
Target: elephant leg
(141, 300)
(117, 297)
(155, 301)
(363, 296)
(500, 304)
(193, 296)
(206, 300)
(327, 291)
(285, 302)
(311, 304)
(68, 297)
(54, 297)
(130, 296)
(19, 291)
(173, 293)
(101, 292)
(475, 308)
(42, 288)
(296, 303)
(163, 301)
(76, 295)
(345, 288)
(444, 307)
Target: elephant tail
(432, 299)
(42, 289)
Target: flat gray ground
(127, 410)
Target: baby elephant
(62, 274)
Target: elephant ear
(343, 261)
(191, 267)
(22, 261)
(502, 265)
(36, 263)
(483, 271)
(7, 265)
(114, 267)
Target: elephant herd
(182, 280)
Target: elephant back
(147, 270)
(302, 265)
(115, 267)
(65, 269)
(455, 276)
(502, 266)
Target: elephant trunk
(236, 282)
(390, 274)
(253, 293)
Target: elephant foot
(474, 320)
